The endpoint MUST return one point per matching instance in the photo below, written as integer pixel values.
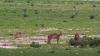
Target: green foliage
(95, 42)
(35, 44)
(51, 51)
(86, 41)
(92, 17)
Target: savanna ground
(39, 17)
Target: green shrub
(74, 42)
(73, 16)
(92, 17)
(85, 41)
(94, 5)
(35, 44)
(95, 42)
(25, 15)
(51, 51)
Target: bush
(73, 16)
(64, 21)
(51, 51)
(99, 51)
(31, 4)
(95, 42)
(42, 25)
(94, 5)
(28, 1)
(67, 49)
(36, 12)
(35, 44)
(85, 41)
(25, 15)
(74, 42)
(92, 17)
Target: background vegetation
(31, 15)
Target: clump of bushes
(85, 41)
(35, 45)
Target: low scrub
(84, 42)
(35, 44)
